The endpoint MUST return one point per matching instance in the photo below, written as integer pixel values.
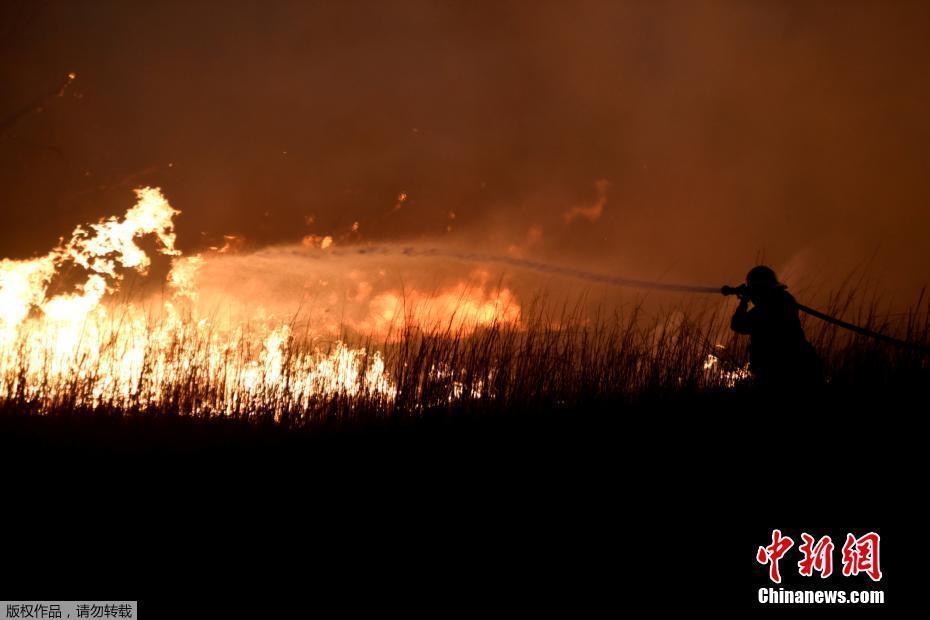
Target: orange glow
(131, 354)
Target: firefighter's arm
(741, 322)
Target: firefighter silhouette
(779, 354)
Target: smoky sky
(681, 139)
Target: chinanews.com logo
(860, 558)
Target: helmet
(762, 277)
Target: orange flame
(78, 345)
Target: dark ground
(663, 503)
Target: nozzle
(733, 290)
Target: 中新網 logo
(859, 555)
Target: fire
(459, 309)
(84, 349)
(22, 286)
(727, 377)
(114, 241)
(182, 276)
(79, 347)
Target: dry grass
(562, 361)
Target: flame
(82, 348)
(727, 377)
(316, 241)
(22, 286)
(182, 276)
(459, 309)
(113, 241)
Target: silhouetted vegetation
(562, 362)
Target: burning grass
(409, 353)
(177, 368)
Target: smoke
(593, 212)
(661, 139)
(368, 291)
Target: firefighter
(779, 354)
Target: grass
(567, 361)
(566, 435)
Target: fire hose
(743, 290)
(600, 278)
